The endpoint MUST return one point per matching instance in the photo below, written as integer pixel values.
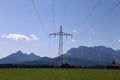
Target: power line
(37, 13)
(93, 9)
(116, 5)
(53, 15)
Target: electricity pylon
(60, 52)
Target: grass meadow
(58, 74)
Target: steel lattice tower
(60, 52)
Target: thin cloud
(118, 40)
(33, 37)
(75, 31)
(20, 37)
(73, 40)
(90, 41)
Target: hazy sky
(92, 23)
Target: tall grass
(59, 74)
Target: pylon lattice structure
(60, 52)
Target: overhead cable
(37, 13)
(108, 12)
(53, 16)
(93, 9)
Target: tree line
(53, 66)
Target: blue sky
(21, 29)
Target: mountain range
(81, 56)
(19, 56)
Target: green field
(59, 74)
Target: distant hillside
(81, 56)
(19, 56)
(96, 54)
